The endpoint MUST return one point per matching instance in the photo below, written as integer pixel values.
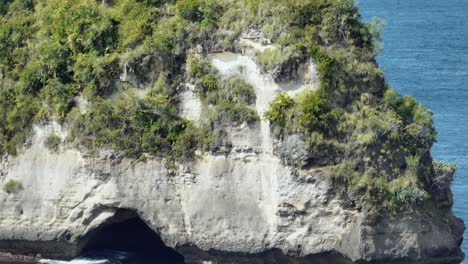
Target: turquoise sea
(426, 56)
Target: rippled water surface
(426, 55)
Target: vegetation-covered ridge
(110, 71)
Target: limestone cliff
(237, 131)
(244, 202)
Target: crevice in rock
(127, 232)
(195, 255)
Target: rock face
(242, 203)
(240, 207)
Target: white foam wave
(75, 261)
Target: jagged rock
(441, 184)
(286, 71)
(292, 151)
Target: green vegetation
(308, 112)
(12, 186)
(278, 112)
(274, 57)
(231, 99)
(18, 112)
(53, 51)
(237, 113)
(373, 142)
(131, 124)
(417, 122)
(52, 142)
(328, 30)
(239, 91)
(375, 148)
(443, 168)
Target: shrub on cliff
(419, 130)
(231, 98)
(237, 113)
(19, 111)
(52, 142)
(308, 112)
(277, 113)
(239, 91)
(12, 186)
(314, 112)
(131, 124)
(373, 148)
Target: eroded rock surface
(245, 202)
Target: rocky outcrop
(242, 205)
(382, 238)
(245, 203)
(441, 184)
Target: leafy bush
(277, 112)
(82, 25)
(12, 186)
(419, 133)
(239, 91)
(328, 69)
(52, 142)
(236, 112)
(131, 124)
(231, 98)
(308, 112)
(136, 26)
(398, 197)
(204, 11)
(314, 112)
(204, 75)
(15, 121)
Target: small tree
(277, 111)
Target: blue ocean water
(426, 56)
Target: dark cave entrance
(127, 232)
